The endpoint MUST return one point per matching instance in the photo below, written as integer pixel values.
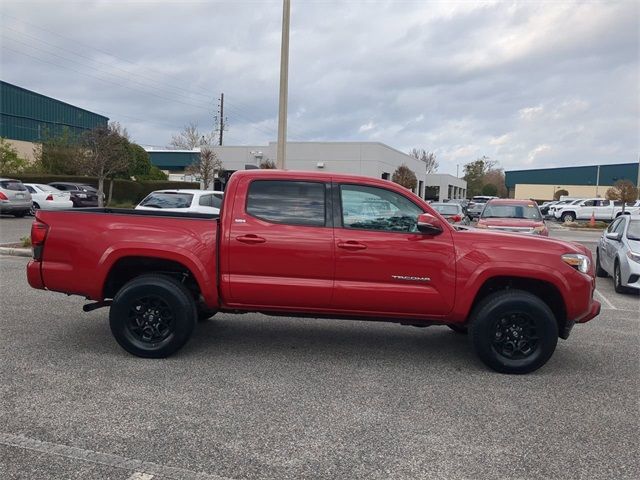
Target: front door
(280, 245)
(384, 266)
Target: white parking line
(606, 300)
(144, 470)
(140, 476)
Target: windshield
(633, 232)
(446, 209)
(528, 212)
(167, 200)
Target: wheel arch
(545, 290)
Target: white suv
(183, 201)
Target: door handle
(351, 245)
(250, 238)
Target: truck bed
(84, 244)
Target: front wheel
(600, 272)
(513, 331)
(568, 217)
(152, 316)
(617, 279)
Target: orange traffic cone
(592, 220)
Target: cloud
(462, 79)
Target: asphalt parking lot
(264, 397)
(12, 229)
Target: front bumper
(630, 272)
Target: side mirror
(614, 236)
(429, 224)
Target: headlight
(633, 256)
(81, 195)
(577, 261)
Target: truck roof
(298, 174)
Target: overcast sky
(530, 84)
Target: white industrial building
(371, 159)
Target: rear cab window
(289, 202)
(167, 200)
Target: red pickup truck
(316, 245)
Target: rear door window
(167, 200)
(288, 202)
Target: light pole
(284, 86)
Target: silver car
(618, 253)
(15, 199)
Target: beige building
(581, 181)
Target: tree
(481, 171)
(191, 137)
(140, 166)
(405, 176)
(59, 155)
(623, 191)
(429, 158)
(206, 167)
(490, 190)
(495, 177)
(560, 193)
(267, 164)
(106, 153)
(10, 162)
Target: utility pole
(284, 86)
(222, 120)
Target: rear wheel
(152, 316)
(34, 207)
(600, 272)
(513, 331)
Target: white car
(599, 208)
(46, 197)
(183, 201)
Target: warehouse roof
(582, 175)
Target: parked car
(618, 253)
(15, 199)
(506, 215)
(81, 195)
(183, 201)
(561, 204)
(47, 197)
(461, 201)
(285, 242)
(544, 208)
(477, 203)
(598, 208)
(453, 212)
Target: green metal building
(582, 181)
(28, 117)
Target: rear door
(280, 245)
(384, 266)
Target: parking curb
(16, 252)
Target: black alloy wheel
(153, 316)
(515, 336)
(34, 207)
(513, 331)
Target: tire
(510, 314)
(568, 217)
(461, 329)
(600, 272)
(617, 279)
(152, 295)
(34, 207)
